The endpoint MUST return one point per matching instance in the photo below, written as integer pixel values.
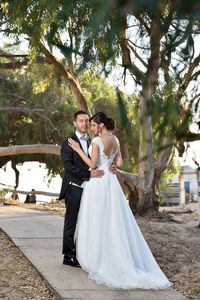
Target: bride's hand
(74, 145)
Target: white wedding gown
(109, 243)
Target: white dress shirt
(83, 141)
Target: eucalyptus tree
(34, 22)
(155, 41)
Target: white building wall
(190, 175)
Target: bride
(110, 245)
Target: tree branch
(30, 149)
(20, 64)
(195, 97)
(70, 78)
(165, 157)
(141, 20)
(31, 192)
(138, 56)
(140, 47)
(22, 109)
(48, 54)
(191, 137)
(126, 57)
(30, 111)
(128, 64)
(188, 75)
(192, 66)
(154, 60)
(14, 65)
(6, 55)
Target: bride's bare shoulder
(116, 138)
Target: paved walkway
(39, 236)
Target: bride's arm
(118, 159)
(92, 163)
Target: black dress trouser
(72, 202)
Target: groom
(75, 173)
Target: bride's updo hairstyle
(100, 117)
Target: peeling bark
(145, 188)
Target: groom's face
(81, 123)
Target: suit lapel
(74, 137)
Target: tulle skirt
(110, 245)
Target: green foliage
(101, 96)
(92, 35)
(168, 117)
(89, 34)
(50, 126)
(195, 291)
(55, 123)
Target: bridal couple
(100, 231)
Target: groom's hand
(113, 168)
(94, 173)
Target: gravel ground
(173, 236)
(18, 279)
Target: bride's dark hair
(100, 117)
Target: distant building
(184, 189)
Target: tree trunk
(143, 194)
(14, 166)
(147, 178)
(129, 183)
(146, 169)
(141, 190)
(149, 170)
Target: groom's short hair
(79, 112)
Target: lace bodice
(103, 159)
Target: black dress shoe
(71, 261)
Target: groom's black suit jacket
(75, 169)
